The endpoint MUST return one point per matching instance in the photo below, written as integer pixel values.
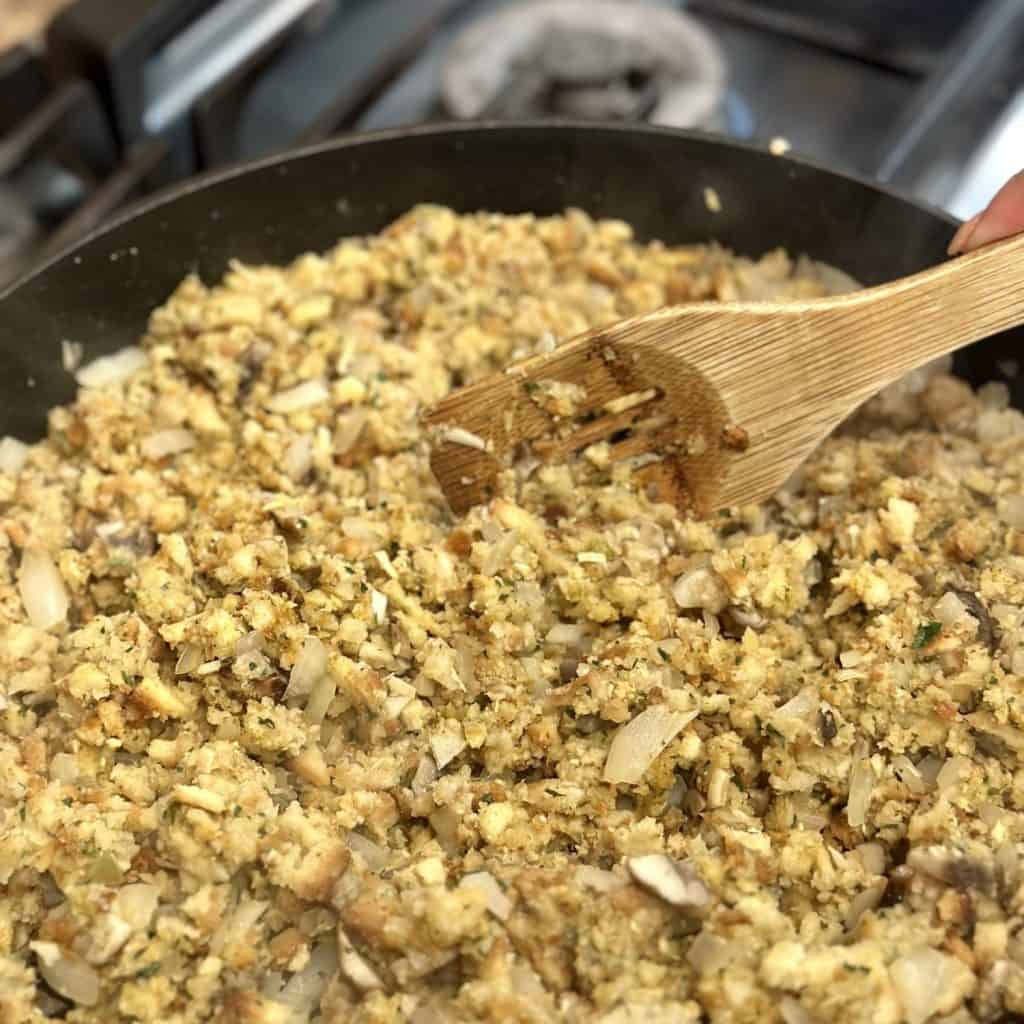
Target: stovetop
(124, 96)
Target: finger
(963, 234)
(1003, 217)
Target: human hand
(1002, 217)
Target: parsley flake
(925, 634)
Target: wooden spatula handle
(948, 306)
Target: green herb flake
(925, 634)
(664, 655)
(148, 971)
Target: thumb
(1003, 217)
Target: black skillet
(100, 292)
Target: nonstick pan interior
(100, 293)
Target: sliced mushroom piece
(676, 882)
(977, 610)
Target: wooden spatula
(719, 403)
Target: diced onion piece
(189, 660)
(64, 768)
(808, 813)
(864, 901)
(71, 353)
(249, 643)
(308, 669)
(456, 435)
(13, 454)
(497, 902)
(237, 924)
(465, 661)
(1017, 661)
(905, 770)
(676, 882)
(401, 695)
(446, 746)
(425, 775)
(525, 982)
(375, 856)
(320, 698)
(928, 769)
(748, 618)
(929, 982)
(571, 634)
(362, 530)
(641, 740)
(302, 396)
(700, 588)
(805, 703)
(952, 772)
(347, 430)
(68, 975)
(379, 606)
(113, 369)
(383, 559)
(41, 588)
(934, 861)
(306, 987)
(297, 460)
(872, 857)
(710, 952)
(1008, 864)
(862, 781)
(991, 814)
(949, 609)
(445, 823)
(1011, 510)
(167, 442)
(136, 904)
(355, 967)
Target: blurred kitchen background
(104, 101)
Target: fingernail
(963, 236)
(989, 229)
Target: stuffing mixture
(282, 741)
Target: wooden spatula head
(614, 386)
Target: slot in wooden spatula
(719, 403)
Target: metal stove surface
(920, 97)
(128, 97)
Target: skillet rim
(169, 194)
